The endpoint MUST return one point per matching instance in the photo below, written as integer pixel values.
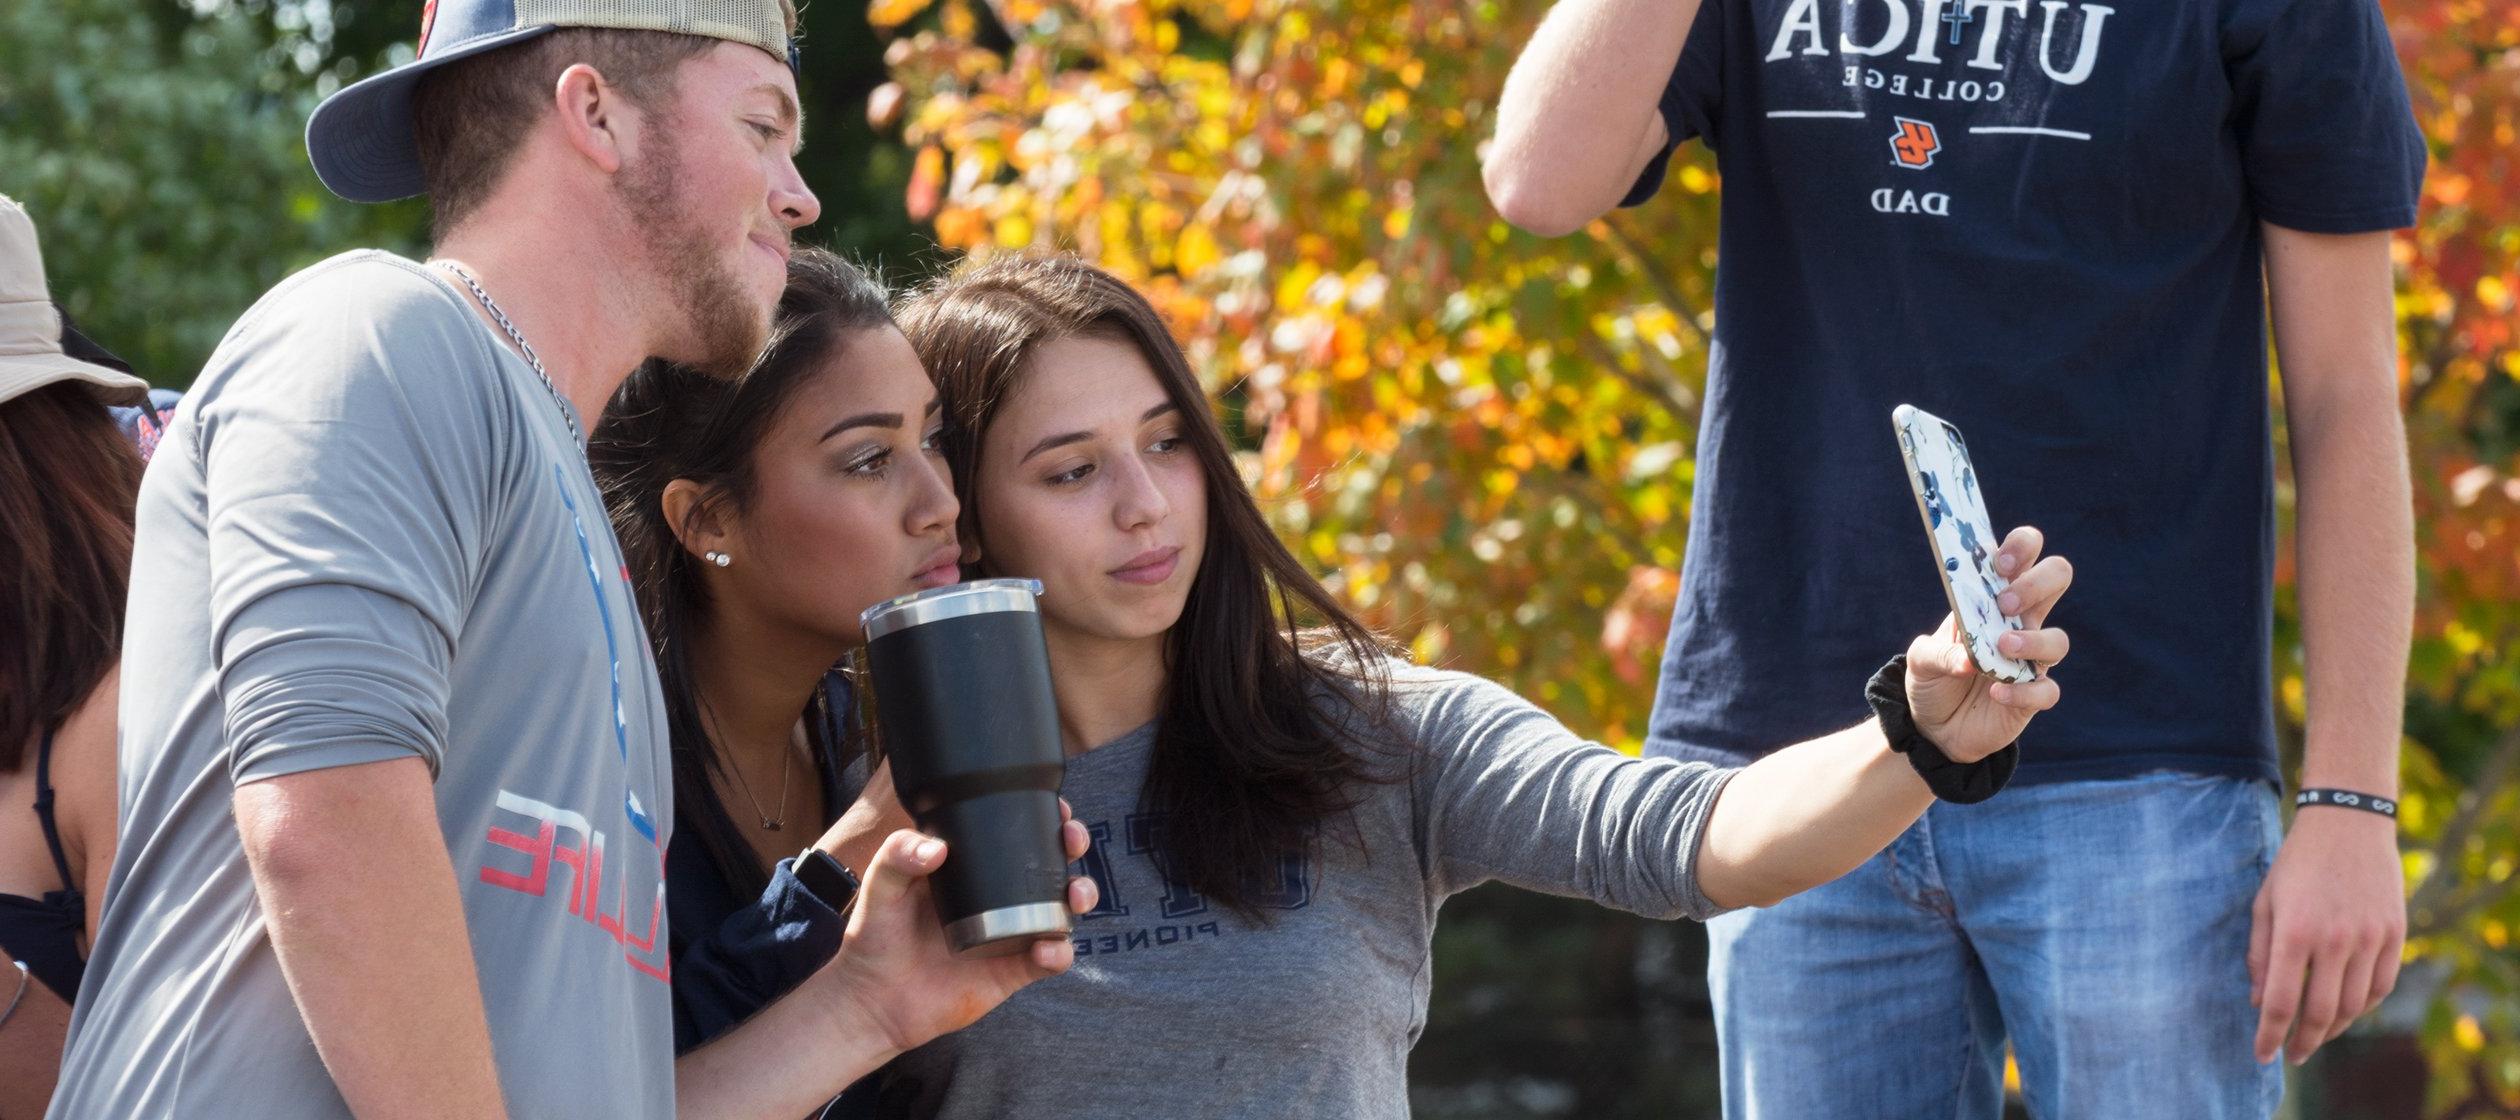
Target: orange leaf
(927, 176)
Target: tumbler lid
(979, 596)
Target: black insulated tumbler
(962, 696)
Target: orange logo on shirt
(1914, 145)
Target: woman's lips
(942, 568)
(1150, 567)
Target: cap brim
(360, 138)
(24, 373)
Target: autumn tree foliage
(1422, 389)
(1484, 438)
(2459, 271)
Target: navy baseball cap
(360, 138)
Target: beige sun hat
(30, 329)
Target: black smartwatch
(823, 875)
(1961, 783)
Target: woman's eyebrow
(1074, 437)
(1055, 441)
(865, 420)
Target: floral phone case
(1946, 489)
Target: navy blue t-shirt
(2039, 221)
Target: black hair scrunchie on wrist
(1961, 783)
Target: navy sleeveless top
(45, 932)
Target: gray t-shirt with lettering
(368, 535)
(1177, 1008)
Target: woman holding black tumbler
(759, 517)
(1278, 803)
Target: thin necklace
(768, 823)
(567, 414)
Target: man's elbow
(295, 828)
(289, 853)
(1530, 202)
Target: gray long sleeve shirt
(1178, 1008)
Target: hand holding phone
(1964, 541)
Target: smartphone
(1964, 539)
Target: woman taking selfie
(1278, 805)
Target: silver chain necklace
(567, 414)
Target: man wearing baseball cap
(396, 788)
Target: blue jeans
(2102, 926)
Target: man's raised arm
(1579, 120)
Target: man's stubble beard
(722, 329)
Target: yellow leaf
(2466, 642)
(2467, 1034)
(1014, 231)
(888, 14)
(1654, 506)
(1212, 135)
(1324, 545)
(1396, 223)
(1294, 282)
(1196, 251)
(1429, 647)
(2493, 293)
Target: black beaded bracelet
(1961, 783)
(2349, 799)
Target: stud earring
(718, 558)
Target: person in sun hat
(67, 482)
(397, 789)
(32, 329)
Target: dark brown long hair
(68, 482)
(668, 422)
(1267, 728)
